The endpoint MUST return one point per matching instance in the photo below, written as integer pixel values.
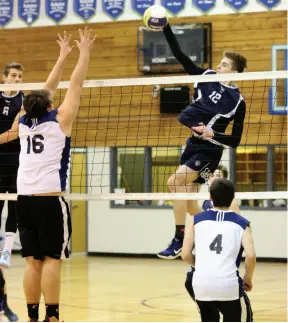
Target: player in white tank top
(43, 214)
(45, 152)
(219, 237)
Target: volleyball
(155, 17)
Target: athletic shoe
(5, 259)
(11, 316)
(173, 251)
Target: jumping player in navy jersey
(214, 106)
(10, 110)
(219, 237)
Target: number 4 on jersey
(216, 244)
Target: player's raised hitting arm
(181, 57)
(68, 110)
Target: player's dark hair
(239, 61)
(222, 192)
(224, 170)
(10, 65)
(36, 103)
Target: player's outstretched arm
(250, 258)
(68, 110)
(55, 75)
(182, 58)
(188, 243)
(12, 133)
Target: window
(147, 169)
(130, 172)
(251, 169)
(280, 168)
(261, 168)
(165, 161)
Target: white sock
(9, 241)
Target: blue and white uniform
(44, 157)
(218, 251)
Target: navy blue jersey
(207, 205)
(9, 108)
(214, 104)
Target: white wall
(148, 231)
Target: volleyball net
(127, 140)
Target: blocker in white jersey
(218, 237)
(45, 153)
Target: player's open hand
(202, 131)
(64, 43)
(86, 40)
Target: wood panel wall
(130, 116)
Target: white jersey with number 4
(218, 251)
(45, 156)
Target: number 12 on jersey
(215, 97)
(37, 144)
(216, 244)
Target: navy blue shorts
(201, 156)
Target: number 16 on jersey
(37, 144)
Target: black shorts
(201, 156)
(8, 178)
(44, 225)
(238, 310)
(233, 311)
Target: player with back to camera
(219, 237)
(11, 108)
(214, 106)
(43, 177)
(220, 172)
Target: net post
(270, 179)
(232, 153)
(113, 169)
(147, 179)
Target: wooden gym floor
(133, 289)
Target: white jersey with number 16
(45, 153)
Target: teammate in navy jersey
(214, 106)
(220, 172)
(10, 111)
(219, 237)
